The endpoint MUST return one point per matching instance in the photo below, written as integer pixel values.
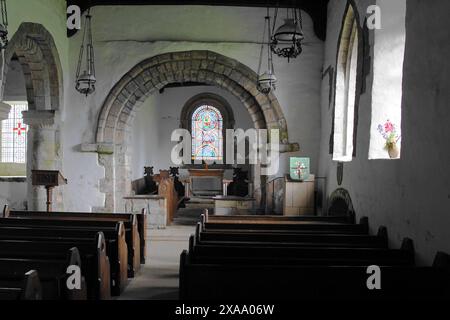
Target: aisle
(158, 279)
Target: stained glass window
(207, 134)
(14, 135)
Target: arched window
(207, 134)
(346, 93)
(207, 116)
(387, 88)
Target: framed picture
(299, 168)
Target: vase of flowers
(390, 135)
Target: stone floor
(158, 278)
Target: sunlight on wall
(347, 66)
(389, 51)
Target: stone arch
(36, 51)
(155, 73)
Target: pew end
(142, 227)
(123, 258)
(32, 289)
(442, 260)
(182, 275)
(103, 269)
(192, 242)
(74, 259)
(383, 234)
(198, 230)
(134, 253)
(408, 245)
(6, 211)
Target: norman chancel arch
(153, 74)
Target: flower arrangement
(389, 133)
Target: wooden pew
(131, 235)
(292, 227)
(116, 247)
(206, 281)
(136, 222)
(26, 287)
(206, 217)
(299, 255)
(95, 262)
(52, 273)
(264, 239)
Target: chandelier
(86, 80)
(3, 25)
(286, 41)
(267, 80)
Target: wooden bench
(207, 281)
(206, 217)
(232, 254)
(95, 262)
(292, 227)
(25, 287)
(291, 239)
(137, 223)
(52, 273)
(116, 247)
(279, 259)
(131, 234)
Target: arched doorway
(34, 47)
(151, 75)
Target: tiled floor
(158, 279)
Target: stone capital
(100, 148)
(4, 110)
(39, 118)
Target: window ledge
(13, 179)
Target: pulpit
(49, 179)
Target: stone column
(42, 154)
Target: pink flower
(388, 127)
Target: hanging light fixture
(3, 25)
(86, 79)
(287, 39)
(266, 80)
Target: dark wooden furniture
(49, 179)
(21, 287)
(52, 273)
(94, 260)
(116, 247)
(307, 258)
(135, 227)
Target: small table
(204, 173)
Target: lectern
(49, 179)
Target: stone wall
(411, 195)
(160, 115)
(221, 31)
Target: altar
(205, 173)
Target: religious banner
(299, 168)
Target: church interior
(208, 150)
